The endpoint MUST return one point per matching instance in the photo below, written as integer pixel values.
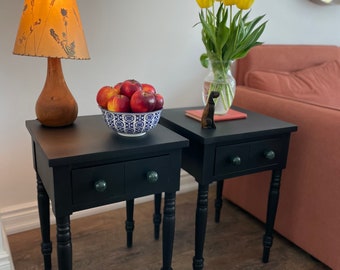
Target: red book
(230, 115)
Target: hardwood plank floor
(99, 242)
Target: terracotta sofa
(299, 84)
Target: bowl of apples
(130, 108)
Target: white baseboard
(6, 262)
(23, 217)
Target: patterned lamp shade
(51, 28)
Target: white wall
(151, 40)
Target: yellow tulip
(244, 4)
(229, 2)
(205, 3)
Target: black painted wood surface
(234, 148)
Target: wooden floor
(99, 242)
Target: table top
(90, 139)
(254, 125)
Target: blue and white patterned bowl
(131, 124)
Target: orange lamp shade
(51, 28)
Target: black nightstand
(234, 148)
(87, 165)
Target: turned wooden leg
(201, 224)
(218, 200)
(157, 216)
(168, 229)
(64, 243)
(273, 200)
(129, 223)
(44, 216)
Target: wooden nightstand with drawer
(234, 148)
(87, 165)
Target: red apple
(129, 87)
(119, 103)
(117, 87)
(142, 101)
(104, 94)
(159, 102)
(148, 88)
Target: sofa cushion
(318, 84)
(284, 57)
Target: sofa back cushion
(318, 84)
(309, 73)
(286, 58)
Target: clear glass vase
(219, 79)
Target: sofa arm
(316, 144)
(323, 120)
(310, 187)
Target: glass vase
(219, 79)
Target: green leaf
(218, 15)
(249, 26)
(209, 29)
(204, 60)
(222, 36)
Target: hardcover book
(230, 115)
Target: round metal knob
(236, 160)
(100, 185)
(152, 176)
(270, 154)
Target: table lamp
(52, 29)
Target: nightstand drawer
(249, 156)
(135, 178)
(269, 152)
(150, 175)
(98, 183)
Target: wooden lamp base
(56, 107)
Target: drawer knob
(100, 185)
(152, 176)
(270, 154)
(236, 160)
